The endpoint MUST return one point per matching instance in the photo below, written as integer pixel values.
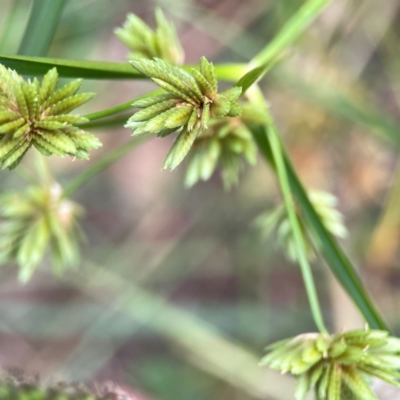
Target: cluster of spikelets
(16, 385)
(225, 144)
(189, 101)
(34, 113)
(277, 221)
(337, 367)
(34, 221)
(143, 42)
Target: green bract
(189, 101)
(225, 144)
(146, 43)
(34, 113)
(277, 221)
(338, 367)
(36, 220)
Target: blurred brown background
(177, 295)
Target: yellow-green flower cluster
(225, 144)
(36, 114)
(340, 366)
(37, 220)
(189, 101)
(143, 42)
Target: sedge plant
(215, 131)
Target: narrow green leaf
(152, 100)
(13, 158)
(39, 66)
(292, 29)
(59, 140)
(331, 251)
(42, 25)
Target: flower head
(36, 220)
(225, 144)
(338, 366)
(143, 42)
(189, 101)
(34, 113)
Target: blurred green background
(177, 295)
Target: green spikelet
(331, 374)
(214, 148)
(180, 148)
(143, 42)
(12, 126)
(195, 100)
(65, 92)
(36, 114)
(48, 86)
(180, 117)
(208, 71)
(153, 110)
(203, 84)
(225, 144)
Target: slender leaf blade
(336, 259)
(42, 25)
(38, 66)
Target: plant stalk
(274, 141)
(102, 164)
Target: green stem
(292, 29)
(102, 164)
(334, 256)
(110, 111)
(116, 121)
(271, 53)
(119, 108)
(274, 141)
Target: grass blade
(38, 66)
(42, 25)
(271, 53)
(292, 29)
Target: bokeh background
(177, 295)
